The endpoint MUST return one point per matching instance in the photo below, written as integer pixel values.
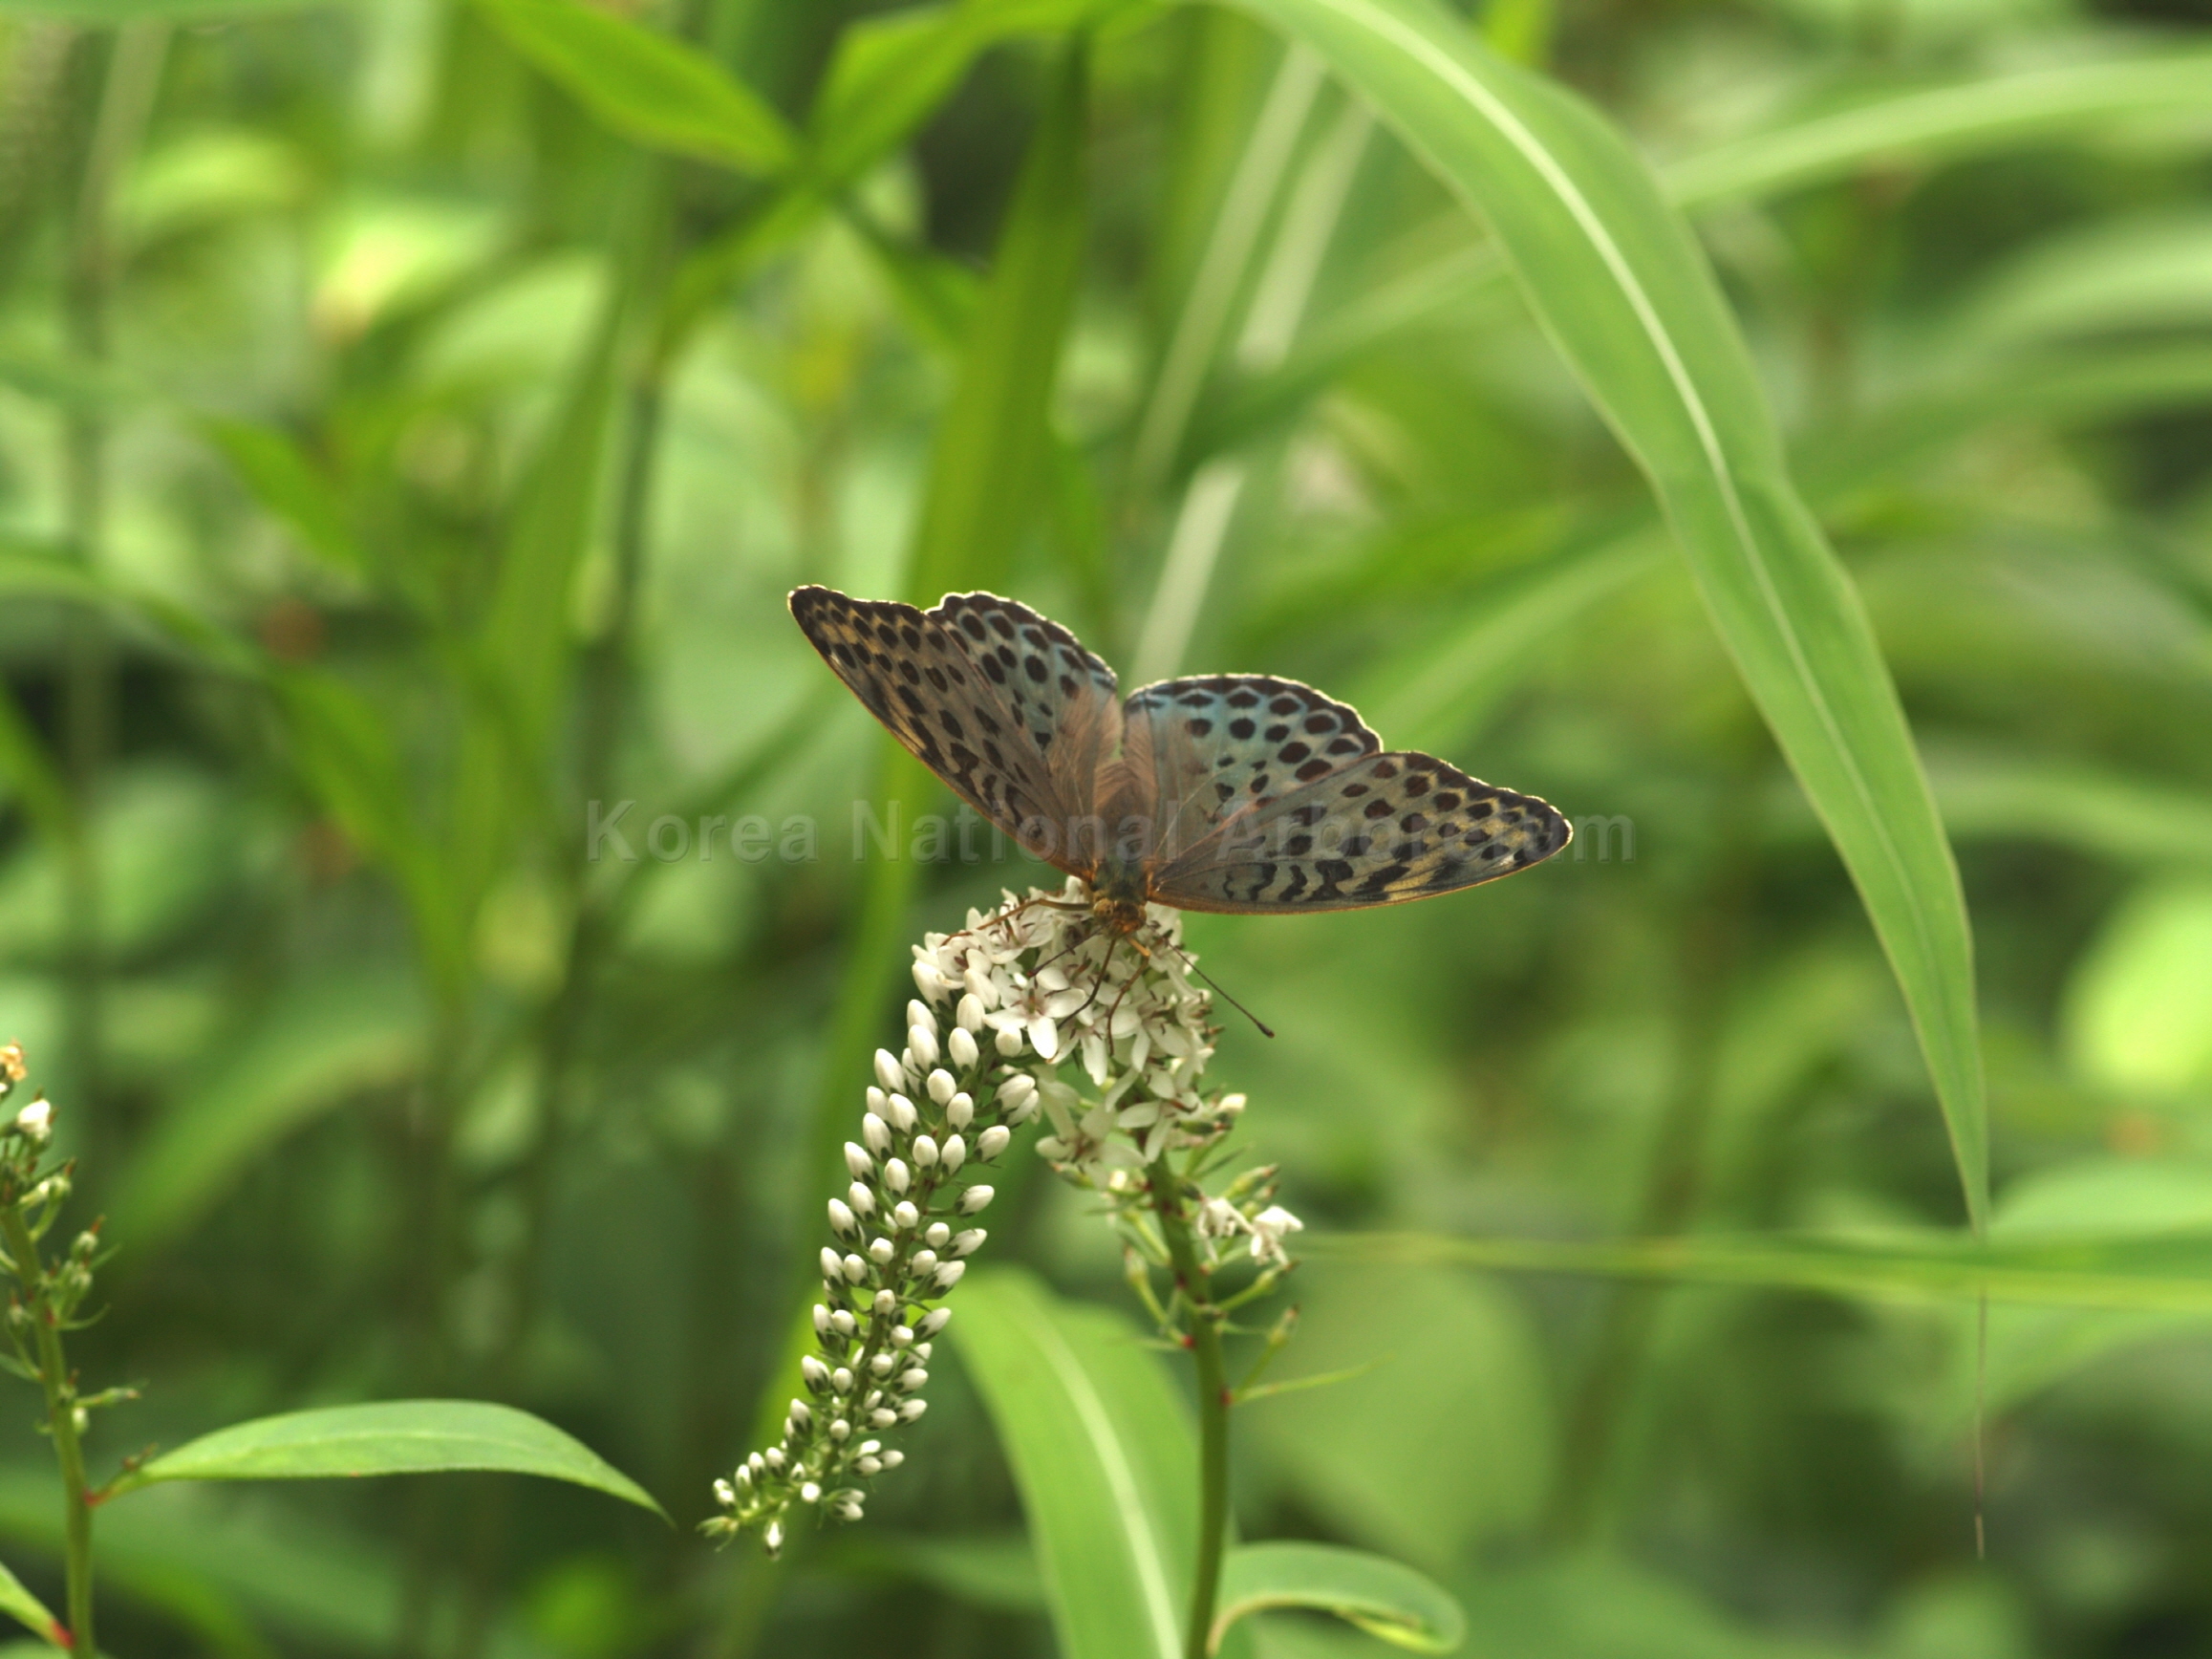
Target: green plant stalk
(61, 1419)
(1204, 1340)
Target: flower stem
(1204, 1339)
(61, 1417)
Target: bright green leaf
(185, 12)
(392, 1437)
(1620, 283)
(2138, 1009)
(650, 88)
(1103, 1457)
(1401, 1606)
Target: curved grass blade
(1618, 283)
(2165, 1270)
(1943, 124)
(391, 1437)
(1103, 1455)
(1404, 1607)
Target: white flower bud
(842, 1321)
(949, 1273)
(967, 1243)
(882, 1418)
(925, 1151)
(1008, 1043)
(942, 1085)
(774, 1457)
(937, 1237)
(894, 1175)
(857, 1163)
(974, 1199)
(920, 1014)
(876, 1099)
(902, 1336)
(821, 1319)
(877, 1133)
(902, 1114)
(961, 1047)
(913, 1409)
(968, 1015)
(841, 1218)
(1016, 1089)
(881, 1251)
(840, 1430)
(960, 1110)
(726, 1494)
(809, 1493)
(863, 1200)
(887, 1071)
(921, 1262)
(914, 1379)
(904, 1214)
(993, 1141)
(758, 1464)
(881, 1364)
(841, 1379)
(855, 1269)
(816, 1373)
(832, 1265)
(801, 1415)
(923, 1045)
(923, 1349)
(35, 1121)
(892, 1458)
(954, 1152)
(885, 1304)
(869, 1464)
(772, 1540)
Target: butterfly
(1233, 793)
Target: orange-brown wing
(982, 692)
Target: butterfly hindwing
(1386, 829)
(1227, 743)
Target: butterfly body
(1239, 794)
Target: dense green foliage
(412, 416)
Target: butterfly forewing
(1386, 829)
(925, 676)
(1230, 744)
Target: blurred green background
(397, 458)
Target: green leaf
(1939, 124)
(651, 89)
(392, 1437)
(28, 1611)
(1103, 1455)
(993, 444)
(315, 1047)
(1620, 286)
(289, 485)
(2169, 1269)
(1404, 1607)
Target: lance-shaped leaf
(391, 1437)
(1404, 1607)
(1623, 290)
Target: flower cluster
(1005, 1004)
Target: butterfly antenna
(1191, 962)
